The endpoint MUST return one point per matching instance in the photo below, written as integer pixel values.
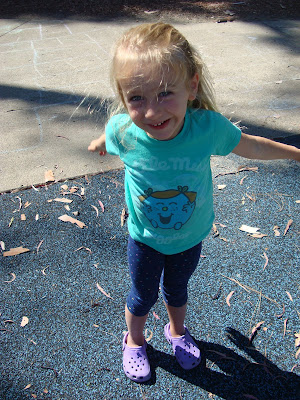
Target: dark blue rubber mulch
(70, 348)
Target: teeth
(159, 123)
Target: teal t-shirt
(168, 184)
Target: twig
(52, 369)
(248, 289)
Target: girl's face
(156, 105)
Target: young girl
(165, 135)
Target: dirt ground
(177, 10)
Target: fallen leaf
(43, 270)
(23, 217)
(67, 218)
(82, 192)
(229, 297)
(155, 315)
(84, 248)
(103, 291)
(276, 231)
(13, 278)
(96, 209)
(280, 315)
(148, 337)
(64, 187)
(288, 226)
(2, 244)
(49, 176)
(298, 201)
(10, 222)
(74, 189)
(46, 391)
(37, 217)
(284, 326)
(63, 200)
(39, 245)
(15, 251)
(27, 386)
(254, 330)
(297, 340)
(124, 216)
(101, 205)
(297, 353)
(221, 187)
(242, 180)
(258, 235)
(24, 321)
(267, 260)
(289, 295)
(67, 207)
(216, 232)
(251, 198)
(222, 225)
(248, 229)
(27, 204)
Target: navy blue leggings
(148, 268)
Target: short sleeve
(111, 142)
(226, 135)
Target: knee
(140, 305)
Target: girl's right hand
(98, 145)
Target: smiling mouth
(165, 220)
(160, 124)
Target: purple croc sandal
(135, 362)
(185, 349)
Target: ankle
(135, 341)
(176, 331)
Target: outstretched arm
(259, 148)
(98, 145)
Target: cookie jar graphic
(168, 209)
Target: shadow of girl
(231, 376)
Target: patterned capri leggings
(149, 268)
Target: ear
(193, 89)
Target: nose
(165, 208)
(152, 109)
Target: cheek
(133, 113)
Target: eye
(135, 98)
(164, 94)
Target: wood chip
(67, 218)
(15, 251)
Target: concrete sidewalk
(54, 76)
(62, 301)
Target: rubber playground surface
(62, 299)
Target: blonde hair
(161, 47)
